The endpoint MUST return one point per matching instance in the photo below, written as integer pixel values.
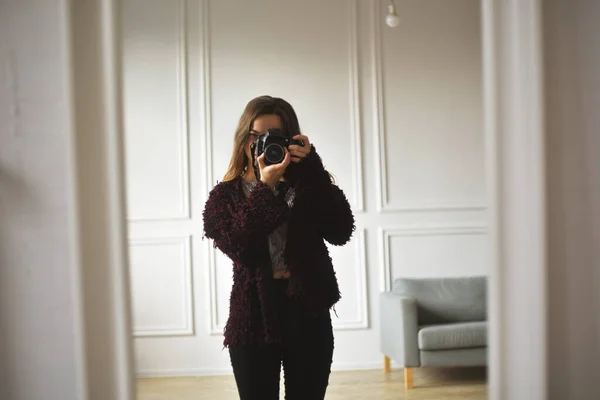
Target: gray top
(278, 237)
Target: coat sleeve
(236, 223)
(326, 204)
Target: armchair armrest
(399, 329)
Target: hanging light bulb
(392, 19)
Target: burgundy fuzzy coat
(239, 227)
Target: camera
(273, 144)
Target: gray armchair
(437, 322)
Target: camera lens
(274, 153)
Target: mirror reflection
(306, 200)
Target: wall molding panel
(206, 97)
(355, 110)
(380, 131)
(378, 106)
(386, 234)
(361, 287)
(206, 133)
(183, 133)
(215, 328)
(187, 327)
(357, 199)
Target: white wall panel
(309, 58)
(426, 252)
(223, 273)
(429, 105)
(155, 101)
(161, 286)
(351, 270)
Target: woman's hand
(271, 174)
(298, 153)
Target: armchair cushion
(453, 336)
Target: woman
(273, 229)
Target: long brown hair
(262, 105)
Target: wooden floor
(430, 384)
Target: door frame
(515, 171)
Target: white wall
(396, 114)
(573, 155)
(39, 349)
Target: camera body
(273, 144)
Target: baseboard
(174, 373)
(194, 372)
(357, 366)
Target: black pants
(306, 354)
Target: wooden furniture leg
(387, 364)
(408, 378)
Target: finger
(304, 138)
(261, 161)
(287, 159)
(297, 153)
(296, 159)
(295, 148)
